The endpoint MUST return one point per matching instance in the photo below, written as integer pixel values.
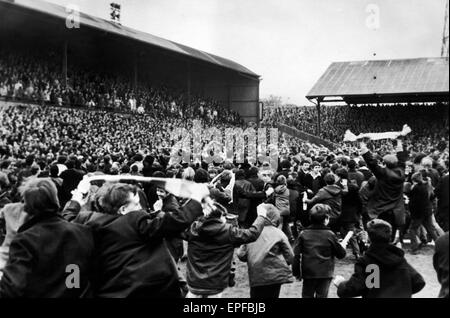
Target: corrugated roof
(108, 26)
(405, 76)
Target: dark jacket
(419, 201)
(332, 196)
(220, 196)
(211, 244)
(388, 193)
(351, 205)
(315, 249)
(301, 177)
(366, 173)
(365, 193)
(39, 256)
(71, 178)
(356, 175)
(440, 263)
(398, 279)
(242, 204)
(314, 184)
(442, 196)
(245, 200)
(257, 183)
(433, 174)
(281, 198)
(175, 244)
(132, 257)
(295, 204)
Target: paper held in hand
(349, 136)
(346, 239)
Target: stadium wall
(236, 93)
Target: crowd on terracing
(376, 200)
(429, 122)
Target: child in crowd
(315, 251)
(391, 276)
(268, 258)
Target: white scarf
(349, 136)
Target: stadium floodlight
(115, 12)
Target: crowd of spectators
(429, 122)
(37, 79)
(294, 214)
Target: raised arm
(238, 236)
(170, 224)
(252, 195)
(372, 164)
(71, 210)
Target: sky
(290, 43)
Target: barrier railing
(305, 136)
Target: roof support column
(64, 62)
(318, 118)
(135, 69)
(188, 82)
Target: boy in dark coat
(315, 250)
(330, 195)
(211, 244)
(420, 206)
(391, 275)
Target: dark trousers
(347, 227)
(389, 217)
(334, 224)
(442, 219)
(316, 287)
(265, 292)
(286, 228)
(427, 223)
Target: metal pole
(64, 63)
(318, 118)
(188, 84)
(135, 74)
